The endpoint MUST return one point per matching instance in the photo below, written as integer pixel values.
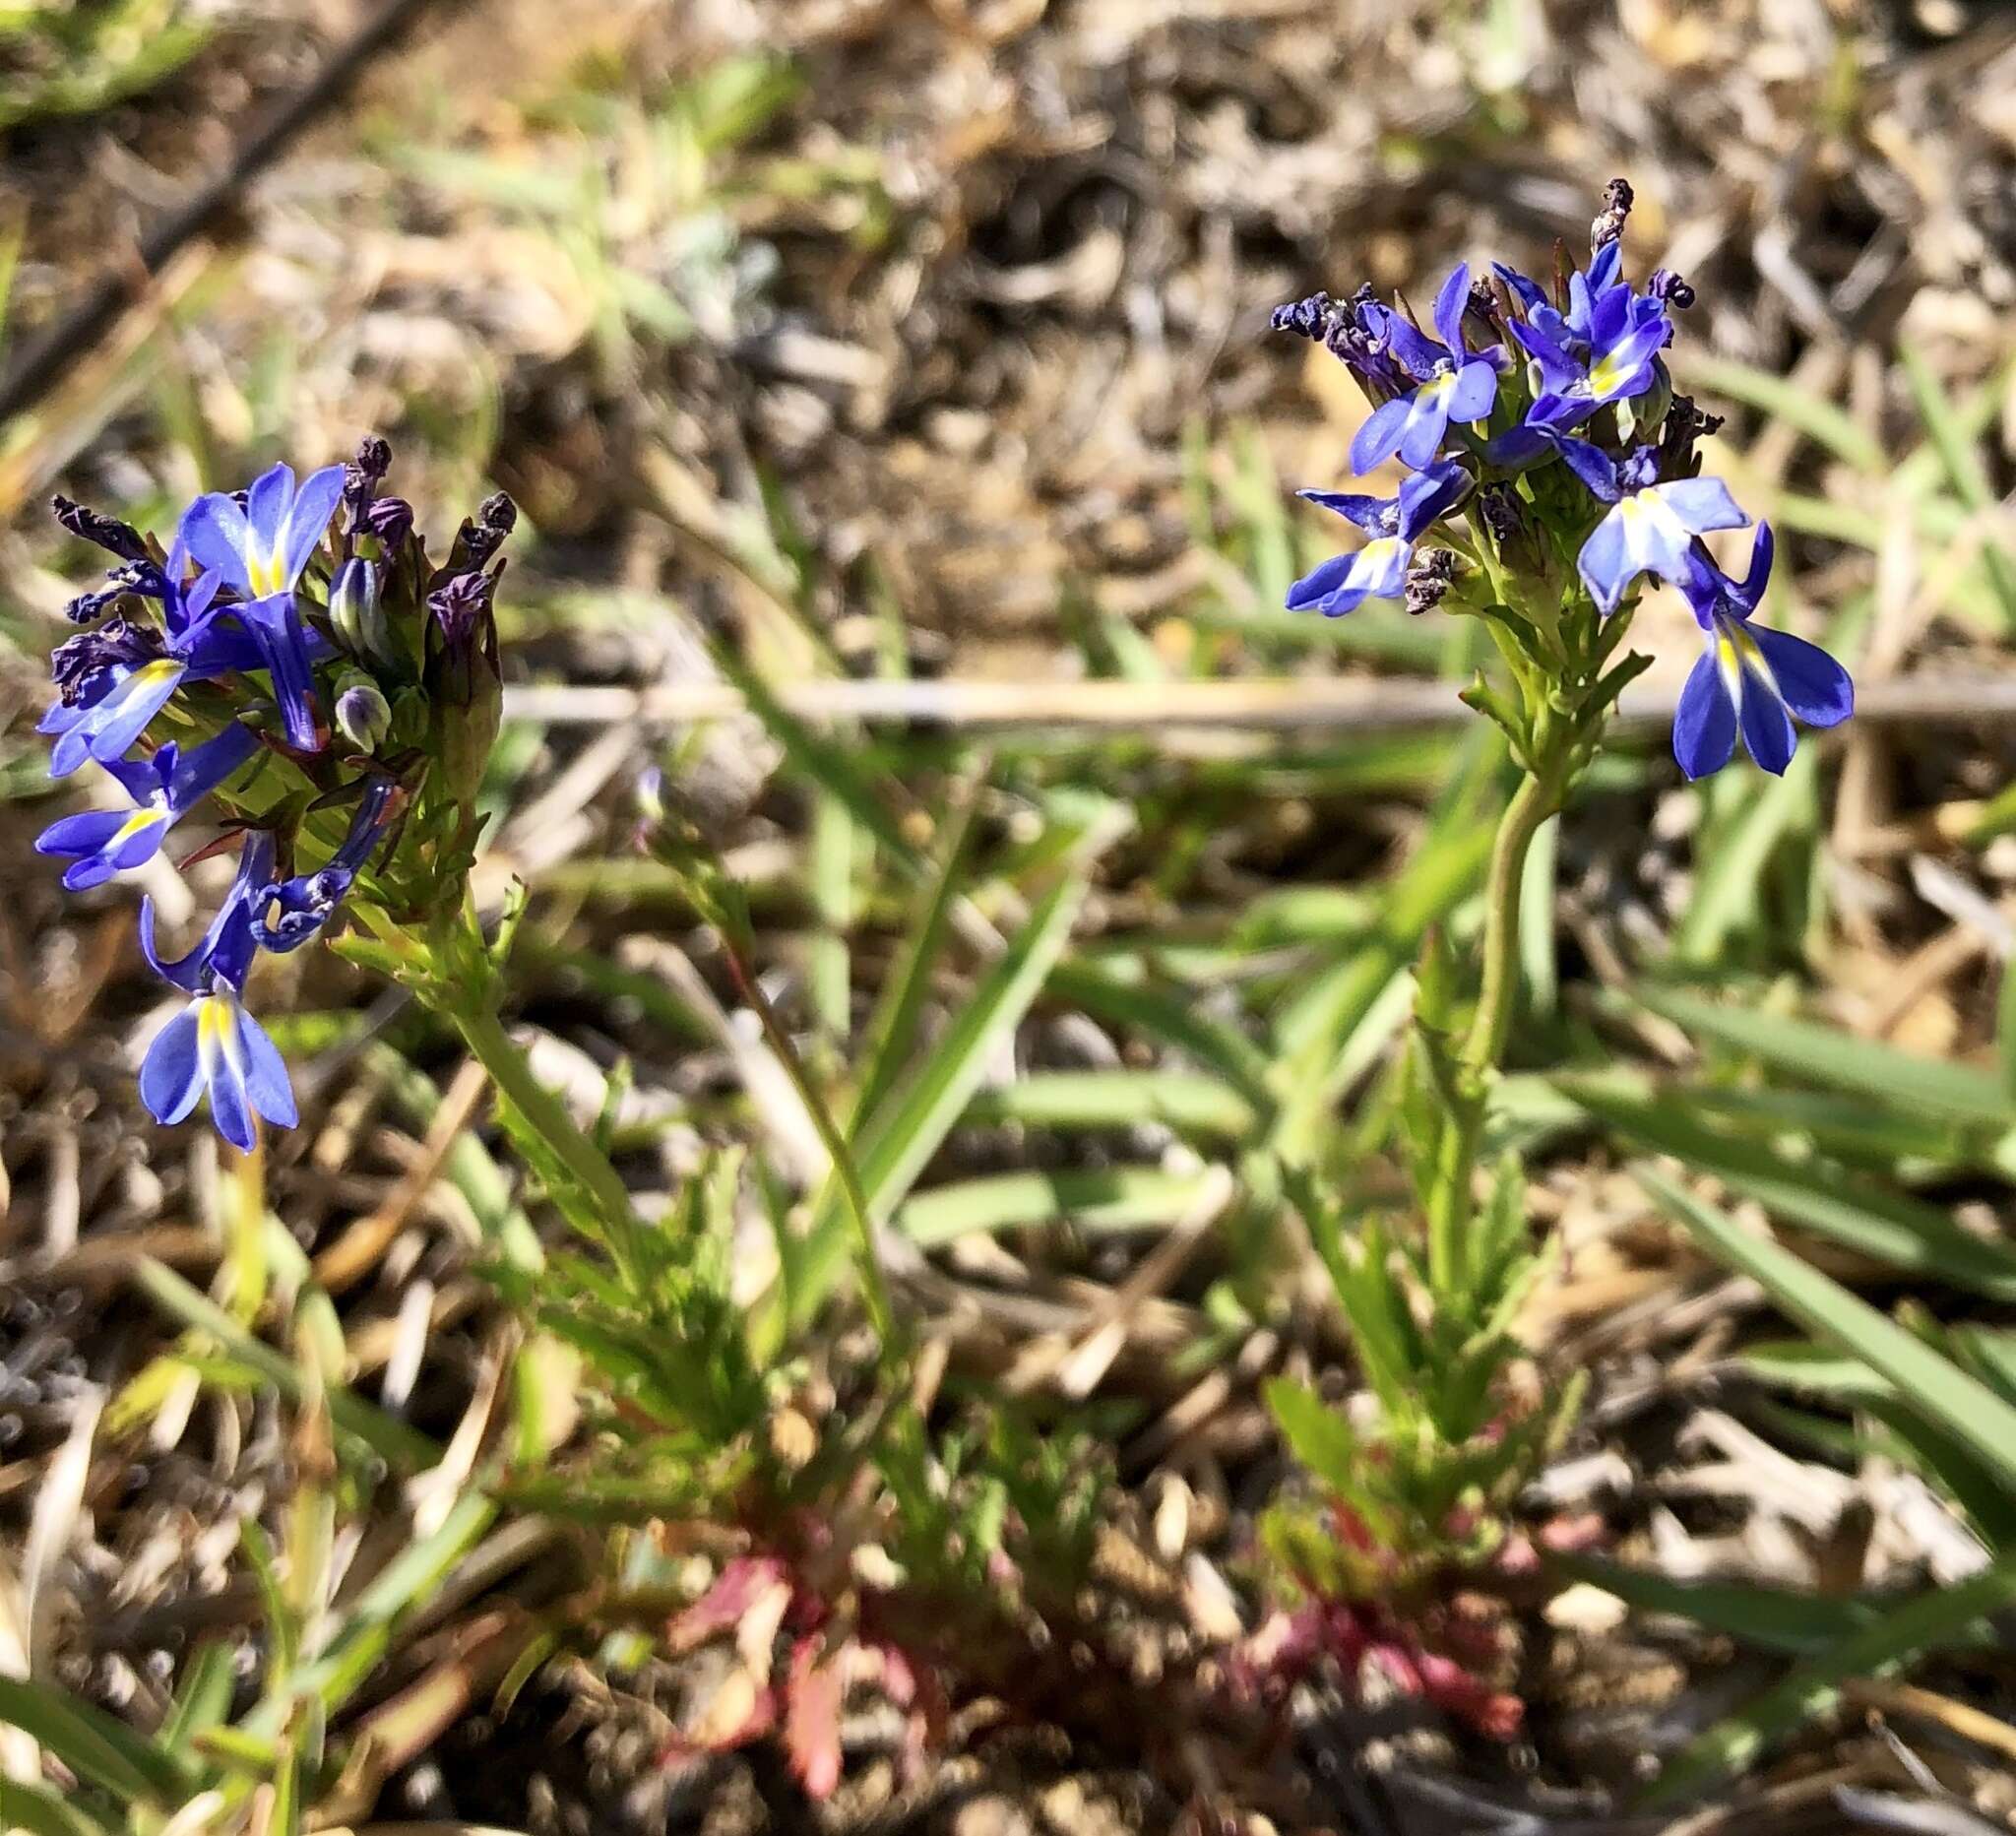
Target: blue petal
(1429, 495)
(195, 774)
(1477, 388)
(1767, 727)
(172, 1073)
(1526, 290)
(1751, 592)
(228, 1108)
(61, 716)
(1603, 266)
(1605, 562)
(215, 532)
(314, 504)
(80, 834)
(1558, 372)
(266, 1080)
(266, 510)
(1518, 446)
(276, 625)
(1369, 512)
(1427, 421)
(1705, 722)
(122, 716)
(1625, 368)
(1319, 584)
(1414, 347)
(1379, 438)
(1448, 315)
(1813, 685)
(1701, 505)
(1591, 464)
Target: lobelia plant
(1551, 470)
(296, 665)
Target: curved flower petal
(266, 1083)
(1379, 438)
(217, 537)
(1472, 392)
(1700, 504)
(111, 725)
(1705, 722)
(222, 1055)
(172, 1073)
(1427, 420)
(1369, 512)
(1625, 368)
(1605, 562)
(1416, 352)
(1448, 313)
(83, 834)
(1320, 582)
(277, 628)
(1810, 682)
(1767, 728)
(308, 520)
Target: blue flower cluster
(1553, 424)
(279, 658)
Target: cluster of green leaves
(76, 59)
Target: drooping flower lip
(1750, 681)
(262, 549)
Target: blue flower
(1750, 679)
(1378, 572)
(100, 843)
(261, 552)
(1453, 385)
(308, 901)
(1651, 526)
(214, 1044)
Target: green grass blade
(911, 1123)
(1930, 1386)
(1961, 461)
(40, 1812)
(1725, 896)
(1068, 1099)
(1102, 1199)
(1781, 1619)
(1826, 1055)
(102, 1751)
(1899, 1230)
(1173, 1019)
(1931, 1619)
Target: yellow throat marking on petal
(161, 669)
(262, 571)
(137, 824)
(1606, 375)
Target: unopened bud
(357, 610)
(363, 715)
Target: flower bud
(363, 715)
(357, 610)
(465, 686)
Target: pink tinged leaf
(735, 1592)
(1454, 1689)
(811, 1726)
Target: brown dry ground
(998, 258)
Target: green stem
(474, 1014)
(1538, 798)
(544, 1113)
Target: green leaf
(1065, 1099)
(40, 1811)
(910, 1126)
(1108, 1198)
(1783, 1619)
(1827, 1055)
(1931, 1619)
(1892, 1228)
(204, 1698)
(1929, 1384)
(101, 1750)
